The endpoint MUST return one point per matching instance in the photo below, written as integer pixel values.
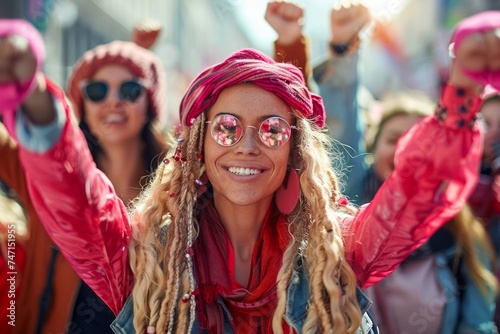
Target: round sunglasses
(97, 91)
(227, 130)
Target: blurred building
(196, 33)
(417, 56)
(409, 54)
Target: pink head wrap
(481, 22)
(251, 66)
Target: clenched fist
(17, 61)
(287, 19)
(347, 20)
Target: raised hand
(478, 52)
(475, 47)
(346, 21)
(287, 19)
(146, 33)
(19, 80)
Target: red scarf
(252, 308)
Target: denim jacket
(468, 311)
(337, 82)
(295, 315)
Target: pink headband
(481, 22)
(13, 94)
(251, 66)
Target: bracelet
(340, 48)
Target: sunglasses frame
(292, 127)
(85, 84)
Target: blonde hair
(167, 210)
(474, 244)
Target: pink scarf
(251, 308)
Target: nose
(113, 96)
(248, 142)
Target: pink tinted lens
(275, 131)
(226, 130)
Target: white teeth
(114, 118)
(244, 171)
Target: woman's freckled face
(249, 171)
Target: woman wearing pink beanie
(117, 92)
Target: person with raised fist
(117, 93)
(336, 78)
(243, 228)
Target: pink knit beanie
(142, 62)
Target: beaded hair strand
(178, 301)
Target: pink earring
(287, 198)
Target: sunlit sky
(251, 15)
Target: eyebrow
(260, 119)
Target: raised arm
(291, 46)
(437, 164)
(338, 83)
(74, 200)
(336, 77)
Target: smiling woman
(208, 247)
(266, 165)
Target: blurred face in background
(385, 147)
(490, 112)
(115, 106)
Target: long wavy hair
(166, 215)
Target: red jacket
(38, 249)
(436, 169)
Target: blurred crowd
(449, 284)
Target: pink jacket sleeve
(81, 212)
(437, 165)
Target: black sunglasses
(96, 91)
